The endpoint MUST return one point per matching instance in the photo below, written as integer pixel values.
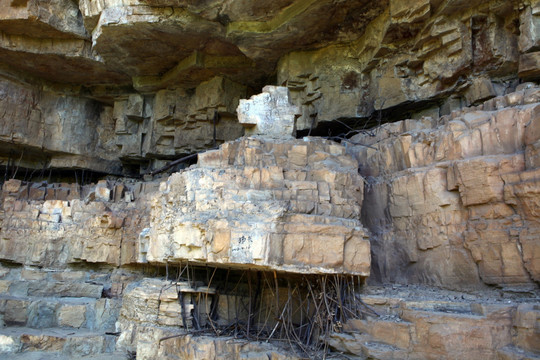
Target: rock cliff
(272, 179)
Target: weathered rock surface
(453, 201)
(439, 56)
(129, 134)
(120, 87)
(62, 226)
(270, 114)
(142, 80)
(288, 205)
(285, 205)
(60, 314)
(415, 323)
(186, 42)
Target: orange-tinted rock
(454, 204)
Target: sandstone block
(480, 90)
(246, 213)
(103, 191)
(164, 105)
(135, 107)
(16, 312)
(528, 334)
(85, 345)
(42, 314)
(479, 181)
(529, 36)
(41, 343)
(66, 289)
(12, 186)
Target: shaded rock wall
(163, 69)
(45, 129)
(419, 57)
(42, 129)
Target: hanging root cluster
(301, 311)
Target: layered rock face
(449, 202)
(437, 55)
(453, 201)
(289, 205)
(285, 205)
(127, 85)
(257, 206)
(401, 151)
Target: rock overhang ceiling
(156, 44)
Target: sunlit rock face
(270, 114)
(453, 201)
(285, 205)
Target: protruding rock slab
(271, 113)
(283, 205)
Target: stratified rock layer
(454, 201)
(289, 205)
(419, 323)
(144, 81)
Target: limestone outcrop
(445, 198)
(277, 204)
(270, 114)
(289, 205)
(147, 81)
(281, 179)
(447, 326)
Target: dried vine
(301, 311)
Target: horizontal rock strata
(289, 205)
(453, 201)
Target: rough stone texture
(151, 311)
(130, 113)
(72, 230)
(453, 201)
(40, 123)
(43, 129)
(288, 205)
(411, 327)
(61, 60)
(270, 114)
(120, 87)
(415, 52)
(274, 204)
(174, 122)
